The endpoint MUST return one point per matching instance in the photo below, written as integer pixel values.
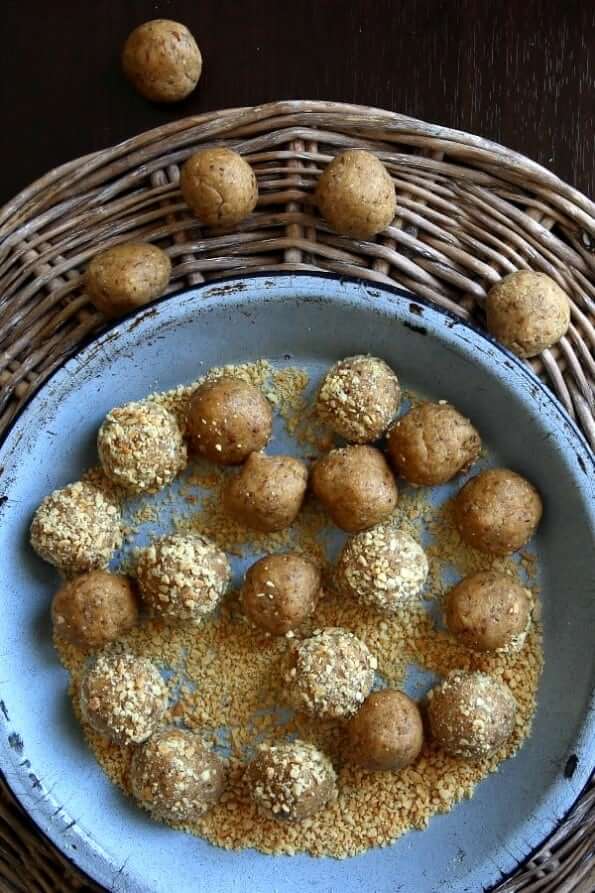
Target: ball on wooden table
(387, 733)
(528, 312)
(356, 195)
(489, 611)
(281, 591)
(162, 60)
(127, 276)
(93, 609)
(219, 186)
(267, 493)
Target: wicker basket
(470, 211)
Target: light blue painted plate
(315, 319)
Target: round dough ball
(528, 312)
(291, 781)
(280, 592)
(162, 60)
(383, 567)
(489, 611)
(358, 398)
(175, 776)
(356, 487)
(471, 714)
(432, 443)
(126, 277)
(219, 186)
(267, 493)
(498, 511)
(331, 674)
(141, 447)
(92, 610)
(123, 698)
(228, 420)
(77, 528)
(356, 195)
(182, 577)
(387, 733)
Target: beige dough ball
(126, 277)
(280, 592)
(219, 186)
(528, 312)
(267, 493)
(359, 398)
(387, 733)
(471, 715)
(489, 611)
(228, 420)
(356, 195)
(356, 487)
(498, 511)
(432, 443)
(92, 610)
(162, 60)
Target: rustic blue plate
(316, 319)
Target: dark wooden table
(517, 71)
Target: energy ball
(356, 195)
(359, 398)
(356, 487)
(280, 592)
(182, 577)
(162, 60)
(127, 277)
(267, 493)
(175, 776)
(528, 312)
(498, 511)
(432, 443)
(387, 733)
(219, 187)
(123, 698)
(141, 447)
(228, 420)
(291, 781)
(77, 528)
(331, 674)
(92, 610)
(383, 567)
(489, 611)
(471, 715)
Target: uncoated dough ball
(528, 312)
(93, 609)
(356, 487)
(498, 511)
(489, 611)
(219, 187)
(281, 591)
(126, 277)
(162, 60)
(267, 493)
(356, 195)
(432, 443)
(387, 733)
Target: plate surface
(317, 320)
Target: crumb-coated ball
(498, 511)
(330, 674)
(387, 733)
(91, 610)
(355, 194)
(127, 276)
(182, 577)
(176, 776)
(291, 781)
(359, 398)
(528, 312)
(77, 528)
(267, 493)
(228, 419)
(471, 714)
(281, 591)
(219, 186)
(141, 447)
(356, 487)
(383, 567)
(432, 443)
(123, 697)
(489, 611)
(162, 61)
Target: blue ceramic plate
(315, 319)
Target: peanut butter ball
(93, 609)
(528, 312)
(126, 277)
(489, 611)
(280, 592)
(267, 493)
(162, 60)
(219, 186)
(356, 195)
(356, 487)
(387, 733)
